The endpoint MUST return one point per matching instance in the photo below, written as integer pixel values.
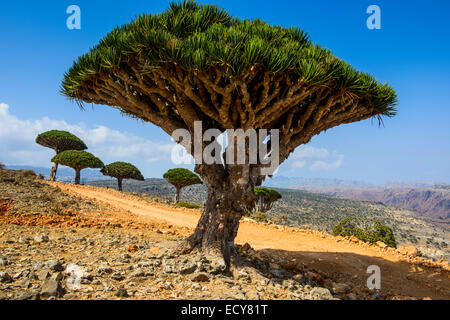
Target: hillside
(300, 208)
(432, 203)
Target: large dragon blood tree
(59, 141)
(197, 63)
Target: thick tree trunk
(177, 195)
(119, 183)
(77, 176)
(260, 204)
(230, 196)
(52, 176)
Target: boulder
(52, 288)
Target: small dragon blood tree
(78, 160)
(266, 197)
(196, 63)
(59, 141)
(181, 178)
(121, 171)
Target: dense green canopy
(267, 192)
(77, 159)
(182, 177)
(60, 141)
(196, 37)
(122, 170)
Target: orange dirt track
(330, 257)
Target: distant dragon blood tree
(121, 171)
(181, 178)
(59, 141)
(77, 160)
(197, 63)
(266, 197)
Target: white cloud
(314, 159)
(17, 142)
(299, 164)
(320, 165)
(310, 152)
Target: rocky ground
(44, 262)
(56, 246)
(86, 249)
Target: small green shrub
(188, 205)
(367, 230)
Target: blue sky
(411, 52)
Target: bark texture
(52, 176)
(230, 196)
(177, 195)
(119, 183)
(77, 176)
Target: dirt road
(340, 260)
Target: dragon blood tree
(181, 178)
(77, 160)
(121, 171)
(266, 197)
(59, 141)
(195, 63)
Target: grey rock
(104, 269)
(24, 239)
(167, 285)
(58, 276)
(319, 293)
(4, 261)
(55, 265)
(117, 277)
(52, 288)
(341, 287)
(38, 265)
(69, 296)
(138, 274)
(41, 238)
(28, 296)
(200, 277)
(5, 277)
(25, 283)
(122, 293)
(43, 275)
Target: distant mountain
(65, 174)
(433, 203)
(288, 182)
